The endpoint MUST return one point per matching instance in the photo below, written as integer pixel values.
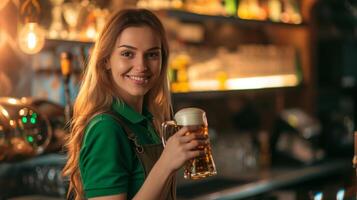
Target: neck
(135, 103)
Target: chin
(138, 93)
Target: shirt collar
(129, 113)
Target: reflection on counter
(39, 176)
(278, 183)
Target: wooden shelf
(56, 42)
(188, 16)
(56, 71)
(227, 93)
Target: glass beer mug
(202, 166)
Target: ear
(107, 65)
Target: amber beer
(202, 166)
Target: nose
(140, 64)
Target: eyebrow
(131, 47)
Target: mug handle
(164, 130)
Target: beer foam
(190, 116)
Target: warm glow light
(91, 32)
(12, 123)
(12, 101)
(204, 85)
(287, 80)
(4, 112)
(31, 38)
(23, 112)
(262, 82)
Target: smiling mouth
(139, 79)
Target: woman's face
(135, 62)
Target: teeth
(138, 78)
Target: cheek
(119, 67)
(157, 73)
(114, 72)
(156, 66)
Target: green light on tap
(34, 115)
(30, 139)
(33, 120)
(24, 120)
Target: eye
(127, 54)
(153, 55)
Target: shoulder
(105, 158)
(103, 127)
(102, 120)
(106, 139)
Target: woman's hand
(181, 147)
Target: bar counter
(260, 182)
(220, 187)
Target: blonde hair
(97, 93)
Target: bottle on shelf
(251, 9)
(178, 73)
(274, 7)
(230, 7)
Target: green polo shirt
(107, 160)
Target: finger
(193, 136)
(187, 138)
(186, 129)
(195, 144)
(182, 131)
(194, 154)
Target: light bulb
(31, 38)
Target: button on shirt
(107, 162)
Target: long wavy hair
(97, 93)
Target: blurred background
(277, 79)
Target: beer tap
(66, 67)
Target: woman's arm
(179, 148)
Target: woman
(114, 150)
